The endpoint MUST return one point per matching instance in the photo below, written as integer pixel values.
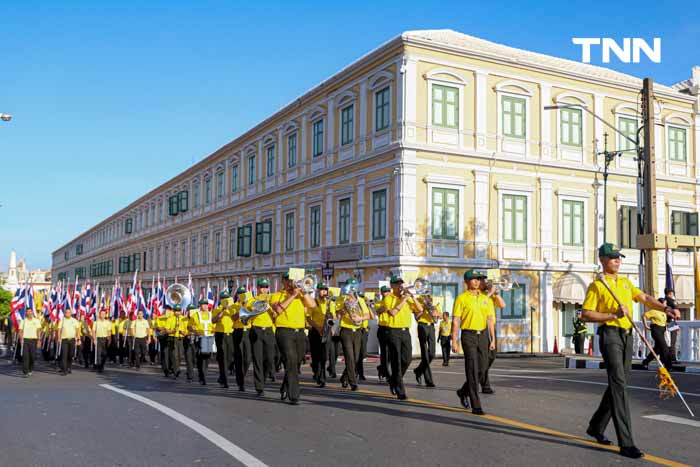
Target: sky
(112, 98)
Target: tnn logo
(629, 52)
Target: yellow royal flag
(493, 274)
(697, 280)
(369, 295)
(334, 291)
(296, 274)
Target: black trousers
(152, 351)
(400, 353)
(446, 346)
(140, 350)
(202, 365)
(490, 358)
(102, 351)
(87, 352)
(579, 339)
(616, 348)
(318, 355)
(426, 339)
(262, 343)
(351, 340)
(124, 349)
(333, 346)
(224, 353)
(658, 333)
(291, 343)
(28, 354)
(384, 368)
(164, 354)
(67, 352)
(672, 350)
(190, 352)
(363, 352)
(176, 353)
(475, 348)
(242, 353)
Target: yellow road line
(510, 422)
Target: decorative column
(481, 110)
(546, 126)
(330, 132)
(362, 140)
(408, 98)
(546, 211)
(546, 312)
(360, 220)
(329, 217)
(280, 165)
(481, 213)
(301, 230)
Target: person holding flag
(223, 329)
(68, 335)
(141, 338)
(29, 335)
(101, 335)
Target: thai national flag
(160, 298)
(132, 298)
(103, 302)
(30, 299)
(190, 286)
(47, 306)
(75, 303)
(669, 273)
(19, 300)
(210, 297)
(141, 303)
(53, 300)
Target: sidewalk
(584, 361)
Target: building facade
(432, 154)
(18, 274)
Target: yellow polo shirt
(139, 328)
(225, 324)
(426, 317)
(403, 317)
(30, 328)
(382, 318)
(294, 316)
(446, 328)
(472, 310)
(70, 328)
(346, 321)
(102, 328)
(656, 317)
(201, 321)
(599, 299)
(318, 313)
(261, 321)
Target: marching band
(272, 330)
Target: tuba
(307, 284)
(178, 294)
(351, 304)
(259, 307)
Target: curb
(587, 363)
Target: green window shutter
(317, 138)
(251, 170)
(258, 237)
(347, 124)
(445, 106)
(379, 215)
(270, 161)
(513, 116)
(315, 227)
(344, 221)
(677, 222)
(381, 109)
(183, 201)
(437, 214)
(692, 223)
(292, 150)
(514, 218)
(571, 127)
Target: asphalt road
(538, 416)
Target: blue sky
(110, 99)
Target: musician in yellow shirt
(400, 305)
(241, 339)
(445, 338)
(223, 330)
(319, 333)
(262, 338)
(289, 308)
(351, 310)
(202, 326)
(101, 335)
(364, 336)
(140, 338)
(29, 335)
(68, 334)
(384, 368)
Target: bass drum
(206, 345)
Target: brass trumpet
(505, 282)
(307, 284)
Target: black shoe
(445, 364)
(362, 378)
(401, 397)
(478, 412)
(353, 387)
(463, 399)
(241, 388)
(321, 384)
(429, 385)
(225, 385)
(392, 389)
(631, 451)
(600, 439)
(418, 375)
(294, 401)
(70, 370)
(333, 375)
(202, 382)
(283, 394)
(189, 380)
(488, 391)
(260, 393)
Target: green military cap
(352, 280)
(203, 301)
(263, 283)
(177, 308)
(241, 290)
(285, 275)
(191, 307)
(224, 294)
(322, 286)
(395, 280)
(608, 250)
(474, 274)
(384, 288)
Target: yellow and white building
(433, 153)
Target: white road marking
(239, 454)
(672, 419)
(566, 380)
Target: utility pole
(651, 266)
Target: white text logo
(630, 51)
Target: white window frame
(378, 82)
(458, 82)
(571, 195)
(524, 93)
(628, 112)
(677, 126)
(458, 185)
(527, 191)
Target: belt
(616, 328)
(261, 328)
(472, 331)
(292, 329)
(399, 329)
(427, 324)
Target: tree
(5, 299)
